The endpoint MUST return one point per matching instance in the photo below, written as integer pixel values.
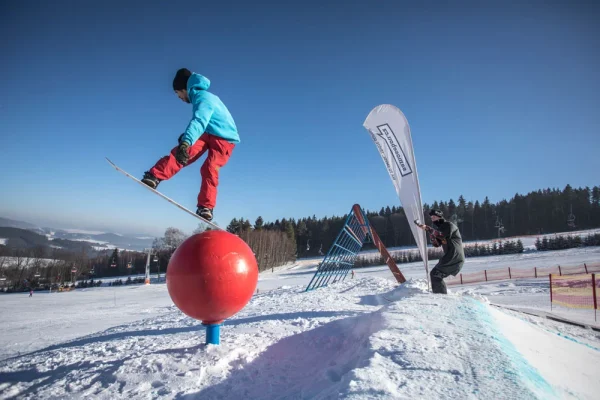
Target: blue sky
(500, 99)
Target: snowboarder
(448, 236)
(211, 129)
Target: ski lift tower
(148, 259)
(499, 225)
(571, 219)
(147, 278)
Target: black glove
(180, 137)
(182, 155)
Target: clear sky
(500, 99)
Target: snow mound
(357, 339)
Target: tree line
(41, 267)
(275, 243)
(537, 212)
(501, 247)
(568, 242)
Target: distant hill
(17, 238)
(11, 223)
(97, 240)
(106, 240)
(21, 238)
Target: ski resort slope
(363, 338)
(525, 294)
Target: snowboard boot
(150, 180)
(205, 213)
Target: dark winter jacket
(452, 243)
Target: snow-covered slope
(360, 339)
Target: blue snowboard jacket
(209, 113)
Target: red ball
(212, 276)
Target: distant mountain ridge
(100, 240)
(11, 223)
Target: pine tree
(451, 208)
(462, 206)
(477, 221)
(470, 220)
(245, 225)
(485, 250)
(289, 231)
(487, 215)
(444, 208)
(561, 242)
(259, 223)
(114, 259)
(234, 226)
(595, 206)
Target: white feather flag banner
(390, 131)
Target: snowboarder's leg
(439, 272)
(218, 154)
(437, 281)
(168, 166)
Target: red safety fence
(501, 274)
(574, 291)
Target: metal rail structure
(341, 256)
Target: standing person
(448, 236)
(211, 129)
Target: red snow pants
(219, 151)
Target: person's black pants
(439, 272)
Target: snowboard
(176, 204)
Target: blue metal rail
(341, 256)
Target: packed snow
(362, 338)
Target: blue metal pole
(213, 334)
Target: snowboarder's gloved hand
(182, 155)
(180, 137)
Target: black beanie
(437, 213)
(181, 78)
